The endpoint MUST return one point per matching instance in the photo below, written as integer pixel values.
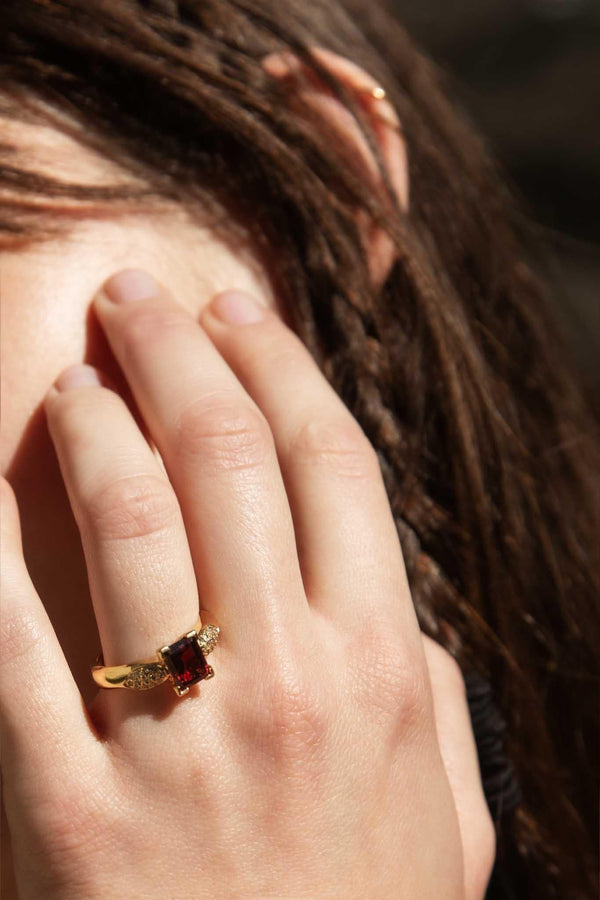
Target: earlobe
(318, 98)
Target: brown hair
(488, 445)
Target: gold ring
(182, 662)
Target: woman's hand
(331, 756)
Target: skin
(211, 465)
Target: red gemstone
(185, 661)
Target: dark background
(528, 74)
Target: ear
(316, 94)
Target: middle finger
(220, 456)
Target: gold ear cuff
(384, 113)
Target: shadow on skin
(47, 518)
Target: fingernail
(129, 285)
(237, 308)
(76, 377)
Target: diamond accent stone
(146, 676)
(208, 637)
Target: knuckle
(283, 353)
(144, 327)
(297, 719)
(392, 680)
(223, 434)
(65, 819)
(135, 506)
(295, 715)
(338, 444)
(73, 412)
(21, 633)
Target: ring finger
(138, 558)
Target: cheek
(43, 329)
(47, 290)
(47, 325)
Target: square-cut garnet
(185, 661)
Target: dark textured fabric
(501, 886)
(501, 787)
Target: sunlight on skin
(47, 325)
(46, 291)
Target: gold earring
(386, 112)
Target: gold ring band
(182, 662)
